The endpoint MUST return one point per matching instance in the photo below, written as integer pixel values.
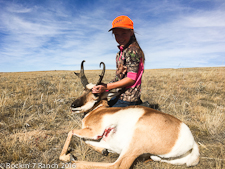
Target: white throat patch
(84, 108)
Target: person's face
(122, 36)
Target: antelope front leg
(63, 155)
(87, 133)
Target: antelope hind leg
(123, 162)
(92, 165)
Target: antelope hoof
(65, 158)
(105, 152)
(72, 158)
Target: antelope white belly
(121, 125)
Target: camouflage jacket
(127, 63)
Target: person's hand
(99, 89)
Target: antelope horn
(102, 75)
(81, 75)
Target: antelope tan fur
(130, 132)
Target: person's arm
(119, 84)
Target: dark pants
(115, 102)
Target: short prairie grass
(35, 114)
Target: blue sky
(40, 35)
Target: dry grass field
(35, 114)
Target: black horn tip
(102, 74)
(82, 66)
(102, 63)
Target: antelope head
(87, 100)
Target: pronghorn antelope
(130, 132)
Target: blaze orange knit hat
(122, 22)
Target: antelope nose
(73, 105)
